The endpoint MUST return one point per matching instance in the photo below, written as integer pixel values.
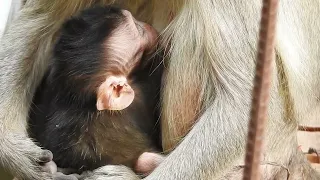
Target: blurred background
(8, 10)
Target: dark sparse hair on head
(81, 40)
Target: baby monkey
(98, 103)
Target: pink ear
(114, 94)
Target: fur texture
(211, 47)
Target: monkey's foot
(110, 172)
(24, 159)
(61, 176)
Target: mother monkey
(208, 82)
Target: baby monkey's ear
(114, 94)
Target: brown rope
(309, 129)
(261, 90)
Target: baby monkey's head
(98, 51)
